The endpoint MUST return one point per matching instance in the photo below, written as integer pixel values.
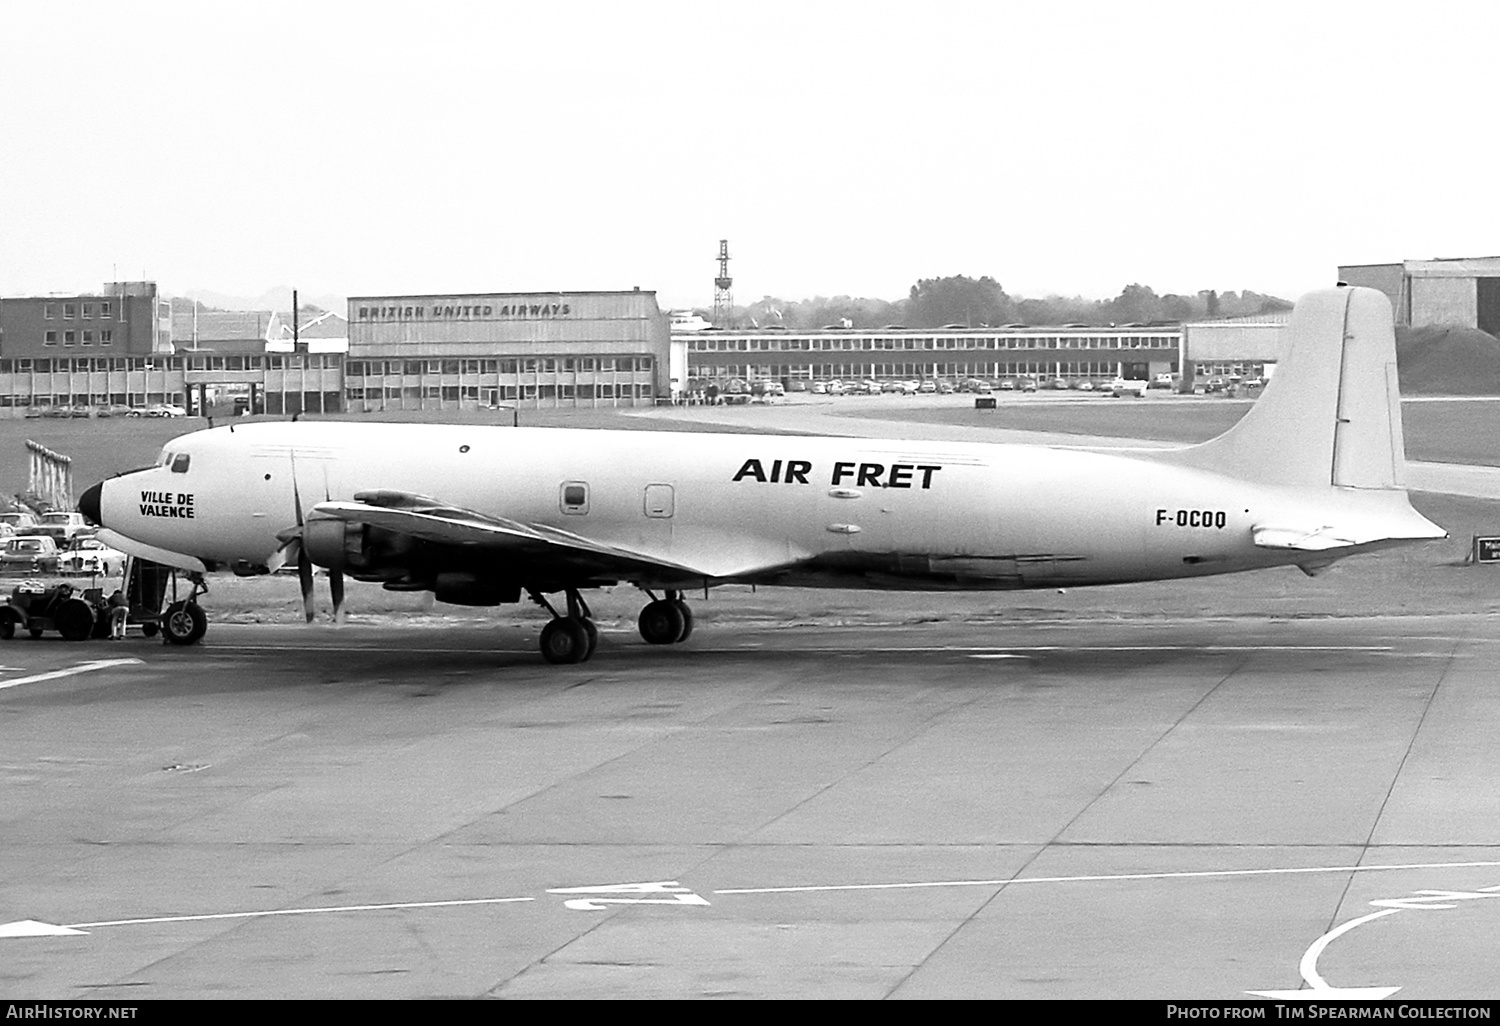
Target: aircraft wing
(553, 550)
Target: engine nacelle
(338, 545)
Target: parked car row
(83, 410)
(40, 554)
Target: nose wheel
(666, 621)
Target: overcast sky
(841, 148)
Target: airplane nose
(88, 504)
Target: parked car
(86, 555)
(1161, 381)
(945, 388)
(1028, 384)
(18, 519)
(165, 410)
(60, 526)
(29, 554)
(1124, 386)
(928, 388)
(1007, 385)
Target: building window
(70, 310)
(50, 339)
(49, 311)
(106, 337)
(88, 311)
(88, 337)
(70, 337)
(104, 310)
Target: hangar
(1461, 292)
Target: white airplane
(484, 515)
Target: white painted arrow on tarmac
(624, 894)
(32, 928)
(1317, 987)
(97, 664)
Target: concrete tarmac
(1075, 808)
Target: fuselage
(802, 510)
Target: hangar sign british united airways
(481, 515)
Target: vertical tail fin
(1331, 413)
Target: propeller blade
(336, 589)
(305, 578)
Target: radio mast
(723, 297)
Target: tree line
(982, 302)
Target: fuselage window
(180, 463)
(574, 497)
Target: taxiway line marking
(297, 912)
(885, 649)
(97, 664)
(1197, 874)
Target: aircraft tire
(7, 629)
(593, 633)
(74, 620)
(565, 640)
(150, 628)
(184, 623)
(35, 632)
(661, 622)
(687, 621)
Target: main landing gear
(666, 621)
(569, 638)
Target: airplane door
(658, 504)
(660, 501)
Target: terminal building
(127, 347)
(86, 350)
(1072, 353)
(547, 349)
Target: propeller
(304, 563)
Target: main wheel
(593, 633)
(7, 629)
(74, 619)
(565, 639)
(184, 624)
(661, 622)
(150, 628)
(687, 621)
(35, 632)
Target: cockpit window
(164, 458)
(180, 463)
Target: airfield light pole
(723, 297)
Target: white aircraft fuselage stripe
(981, 516)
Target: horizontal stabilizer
(1302, 539)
